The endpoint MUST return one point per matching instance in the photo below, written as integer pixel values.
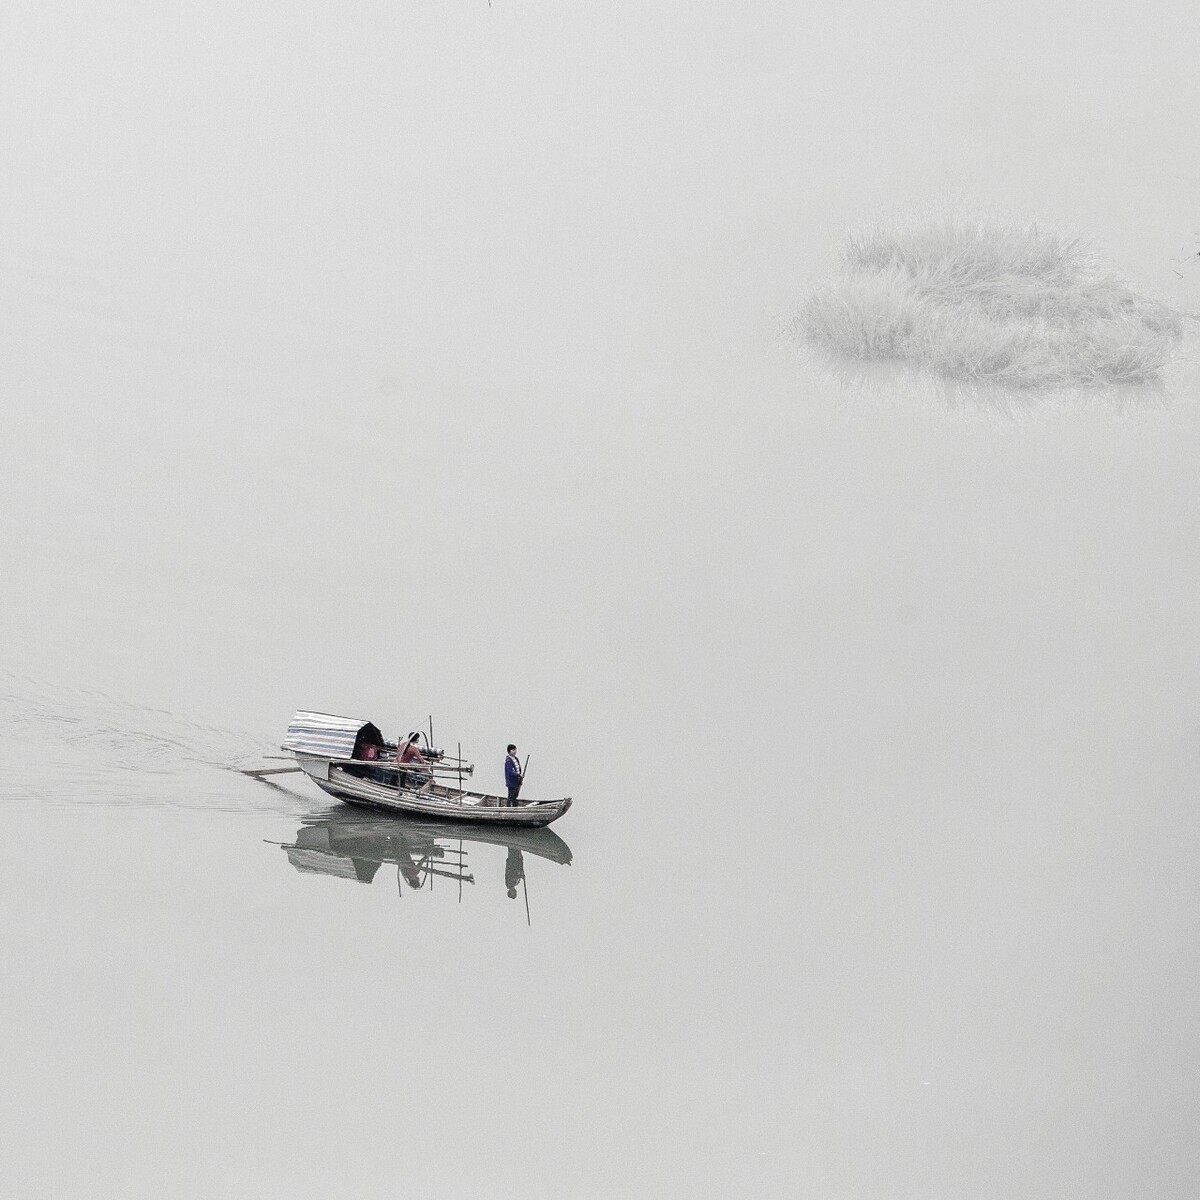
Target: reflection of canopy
(330, 736)
(322, 862)
(326, 848)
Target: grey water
(396, 362)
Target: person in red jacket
(409, 753)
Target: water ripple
(70, 746)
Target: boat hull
(435, 802)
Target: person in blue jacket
(512, 775)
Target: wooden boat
(349, 759)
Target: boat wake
(72, 746)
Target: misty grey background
(426, 358)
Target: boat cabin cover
(328, 736)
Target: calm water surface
(397, 366)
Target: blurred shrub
(988, 302)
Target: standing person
(512, 775)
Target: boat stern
(315, 768)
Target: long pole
(524, 768)
(460, 772)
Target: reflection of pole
(399, 889)
(460, 873)
(525, 888)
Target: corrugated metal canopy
(327, 735)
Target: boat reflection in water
(354, 845)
